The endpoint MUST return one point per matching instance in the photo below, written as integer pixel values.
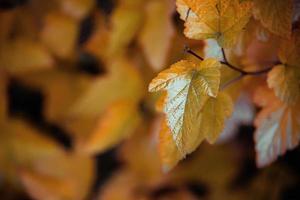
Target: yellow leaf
(285, 78)
(157, 27)
(168, 151)
(276, 15)
(285, 82)
(23, 55)
(278, 127)
(222, 20)
(21, 145)
(66, 177)
(214, 114)
(46, 170)
(188, 87)
(125, 22)
(60, 34)
(117, 123)
(122, 82)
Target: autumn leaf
(285, 82)
(21, 145)
(41, 164)
(65, 177)
(214, 114)
(158, 26)
(123, 74)
(118, 122)
(24, 55)
(188, 87)
(168, 151)
(285, 78)
(276, 15)
(222, 20)
(126, 21)
(93, 116)
(278, 127)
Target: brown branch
(242, 71)
(190, 51)
(225, 62)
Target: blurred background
(77, 122)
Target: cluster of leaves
(91, 67)
(197, 102)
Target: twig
(225, 62)
(190, 51)
(240, 70)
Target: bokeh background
(77, 121)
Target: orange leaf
(278, 127)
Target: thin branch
(190, 51)
(242, 71)
(225, 62)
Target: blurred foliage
(77, 122)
